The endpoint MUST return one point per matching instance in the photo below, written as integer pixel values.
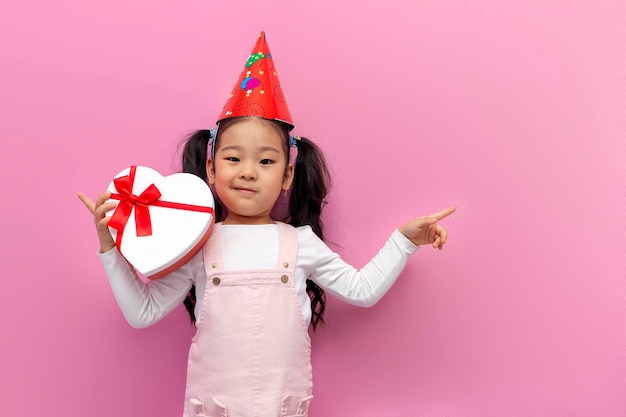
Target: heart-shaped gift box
(159, 222)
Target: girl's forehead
(251, 133)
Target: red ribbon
(149, 197)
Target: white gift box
(159, 222)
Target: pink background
(510, 110)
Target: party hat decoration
(258, 92)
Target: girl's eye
(232, 159)
(266, 161)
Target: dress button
(216, 281)
(286, 265)
(213, 265)
(284, 279)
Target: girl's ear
(288, 177)
(210, 171)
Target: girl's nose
(247, 172)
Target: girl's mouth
(244, 190)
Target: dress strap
(212, 251)
(288, 246)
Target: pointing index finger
(443, 213)
(87, 202)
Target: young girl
(260, 283)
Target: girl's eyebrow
(268, 148)
(231, 147)
(239, 147)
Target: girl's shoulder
(303, 231)
(305, 234)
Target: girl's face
(250, 170)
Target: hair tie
(211, 136)
(293, 141)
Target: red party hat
(258, 92)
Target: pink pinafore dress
(251, 355)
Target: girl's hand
(99, 209)
(425, 230)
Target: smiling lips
(244, 190)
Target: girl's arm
(366, 286)
(141, 303)
(145, 303)
(362, 287)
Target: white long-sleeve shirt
(246, 247)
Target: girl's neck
(245, 220)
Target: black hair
(307, 196)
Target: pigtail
(308, 197)
(194, 157)
(310, 186)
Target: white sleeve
(362, 287)
(145, 303)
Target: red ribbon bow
(149, 197)
(128, 200)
